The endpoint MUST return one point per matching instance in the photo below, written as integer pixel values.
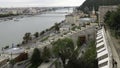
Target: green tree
(46, 54)
(42, 32)
(57, 27)
(6, 47)
(79, 42)
(63, 48)
(36, 34)
(107, 17)
(12, 62)
(27, 37)
(88, 60)
(112, 19)
(36, 58)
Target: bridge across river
(55, 12)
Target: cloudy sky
(39, 3)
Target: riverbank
(8, 17)
(2, 19)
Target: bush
(63, 48)
(88, 60)
(36, 34)
(112, 19)
(6, 47)
(46, 54)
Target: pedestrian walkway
(115, 54)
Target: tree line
(7, 15)
(68, 53)
(28, 36)
(38, 57)
(112, 20)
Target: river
(13, 31)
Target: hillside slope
(89, 4)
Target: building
(70, 19)
(73, 17)
(85, 21)
(32, 11)
(65, 28)
(103, 10)
(104, 54)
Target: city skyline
(39, 3)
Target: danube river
(12, 32)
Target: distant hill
(89, 4)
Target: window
(103, 64)
(99, 41)
(99, 38)
(102, 50)
(102, 57)
(100, 47)
(99, 34)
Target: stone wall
(89, 33)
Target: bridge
(52, 11)
(55, 12)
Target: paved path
(113, 48)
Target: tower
(93, 14)
(93, 11)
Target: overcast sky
(39, 3)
